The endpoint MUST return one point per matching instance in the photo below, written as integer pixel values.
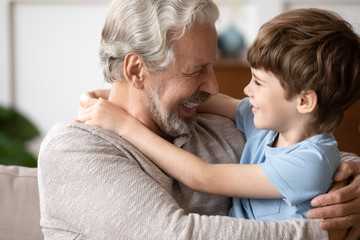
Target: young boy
(305, 67)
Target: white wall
(249, 15)
(49, 48)
(50, 56)
(348, 9)
(4, 55)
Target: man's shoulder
(66, 131)
(215, 124)
(211, 118)
(80, 140)
(215, 139)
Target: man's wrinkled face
(169, 119)
(177, 91)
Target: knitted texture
(95, 185)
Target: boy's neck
(293, 137)
(297, 129)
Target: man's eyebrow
(205, 64)
(198, 67)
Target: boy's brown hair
(312, 49)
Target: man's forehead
(197, 48)
(197, 64)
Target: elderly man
(158, 55)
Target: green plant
(15, 131)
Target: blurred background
(49, 53)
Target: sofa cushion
(19, 203)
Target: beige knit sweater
(95, 185)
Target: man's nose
(209, 83)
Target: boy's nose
(248, 89)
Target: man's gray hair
(148, 28)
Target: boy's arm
(241, 180)
(220, 104)
(222, 179)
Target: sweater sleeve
(92, 187)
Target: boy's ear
(134, 70)
(307, 101)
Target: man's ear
(134, 70)
(307, 101)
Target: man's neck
(132, 100)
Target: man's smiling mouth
(191, 104)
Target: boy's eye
(256, 82)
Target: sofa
(19, 204)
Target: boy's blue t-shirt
(299, 172)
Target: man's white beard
(168, 120)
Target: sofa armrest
(19, 203)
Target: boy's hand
(88, 99)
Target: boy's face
(272, 111)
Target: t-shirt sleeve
(244, 117)
(301, 174)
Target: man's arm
(340, 208)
